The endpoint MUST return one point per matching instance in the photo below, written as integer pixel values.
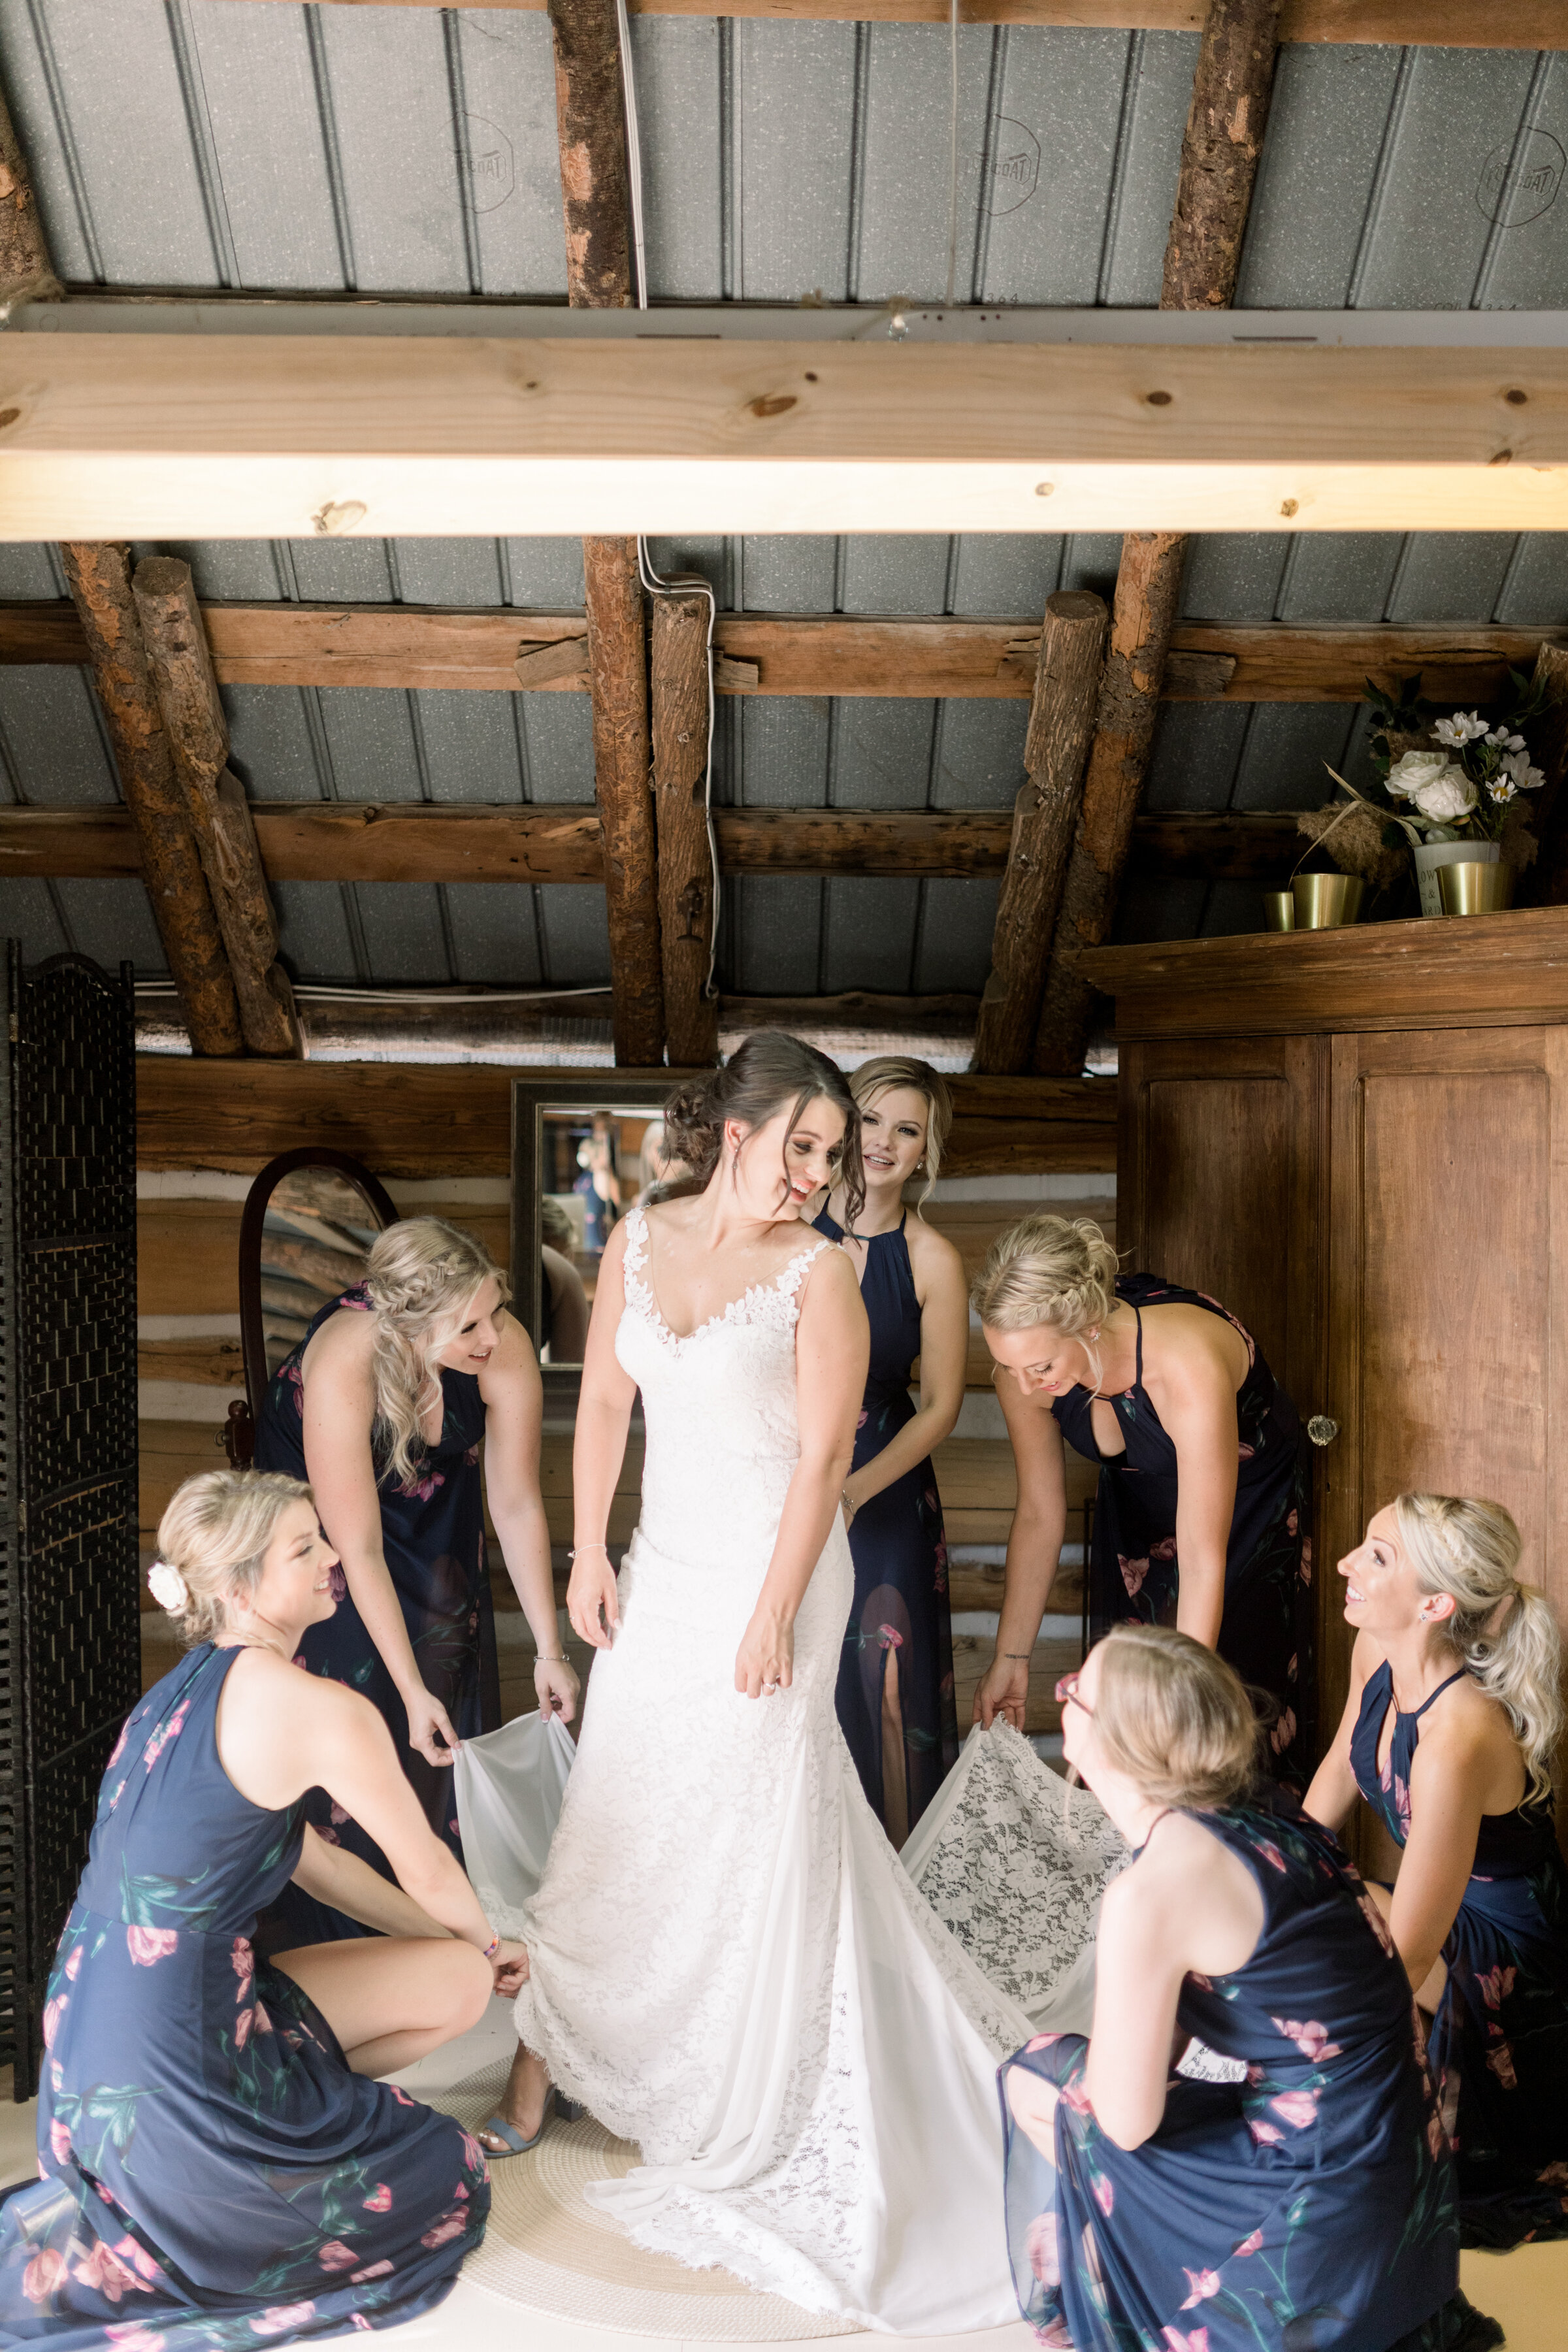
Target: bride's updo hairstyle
(421, 1279)
(212, 1540)
(1503, 1631)
(1174, 1718)
(767, 1072)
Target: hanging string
(688, 583)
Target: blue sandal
(567, 2109)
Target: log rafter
(1453, 23)
(400, 646)
(1226, 117)
(343, 841)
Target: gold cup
(1325, 901)
(1468, 887)
(1279, 910)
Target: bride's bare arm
(598, 1449)
(832, 1349)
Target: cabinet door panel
(1448, 1161)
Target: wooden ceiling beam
(425, 842)
(157, 812)
(222, 436)
(413, 1119)
(590, 128)
(1061, 728)
(1229, 112)
(1451, 24)
(404, 646)
(197, 730)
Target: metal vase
(1279, 910)
(1325, 901)
(1473, 888)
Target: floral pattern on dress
(212, 2174)
(1265, 2216)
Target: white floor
(1527, 2290)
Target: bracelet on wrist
(542, 1661)
(493, 1947)
(591, 1547)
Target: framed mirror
(308, 1221)
(585, 1150)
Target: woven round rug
(548, 2249)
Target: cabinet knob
(1322, 1430)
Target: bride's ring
(770, 1686)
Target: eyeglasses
(1067, 1689)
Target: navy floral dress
(899, 1551)
(1308, 2209)
(1266, 1630)
(212, 2174)
(1500, 2037)
(433, 1536)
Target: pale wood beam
(685, 909)
(100, 578)
(295, 437)
(342, 841)
(591, 126)
(197, 730)
(400, 646)
(1451, 24)
(1061, 728)
(1226, 117)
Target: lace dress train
(730, 1966)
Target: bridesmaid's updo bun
(1174, 1718)
(767, 1072)
(1058, 1271)
(212, 1540)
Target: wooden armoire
(1358, 1139)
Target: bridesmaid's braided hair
(767, 1072)
(1174, 1718)
(421, 1279)
(212, 1540)
(1059, 1272)
(1504, 1632)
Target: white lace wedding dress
(729, 1964)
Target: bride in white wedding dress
(729, 1964)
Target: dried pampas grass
(1352, 834)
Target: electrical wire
(682, 583)
(951, 153)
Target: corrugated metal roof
(202, 144)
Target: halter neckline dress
(213, 2175)
(1266, 1632)
(899, 1544)
(1498, 2040)
(433, 1539)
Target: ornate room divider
(70, 1622)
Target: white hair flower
(1415, 769)
(1463, 728)
(168, 1586)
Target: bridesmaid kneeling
(1312, 2203)
(216, 2164)
(1448, 1732)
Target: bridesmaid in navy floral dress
(213, 2174)
(895, 1696)
(1482, 1882)
(1310, 2205)
(413, 1538)
(1265, 1620)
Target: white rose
(168, 1586)
(1416, 768)
(1447, 796)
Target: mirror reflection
(595, 1164)
(315, 1236)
